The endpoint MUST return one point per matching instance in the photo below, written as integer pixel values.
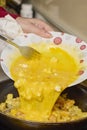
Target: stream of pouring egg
(41, 80)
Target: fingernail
(48, 34)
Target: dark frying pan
(77, 92)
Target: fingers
(35, 26)
(41, 24)
(39, 31)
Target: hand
(32, 25)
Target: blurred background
(68, 16)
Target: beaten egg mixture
(40, 80)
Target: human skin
(33, 25)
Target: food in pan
(64, 110)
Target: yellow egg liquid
(40, 81)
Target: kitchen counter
(69, 16)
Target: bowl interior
(74, 46)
